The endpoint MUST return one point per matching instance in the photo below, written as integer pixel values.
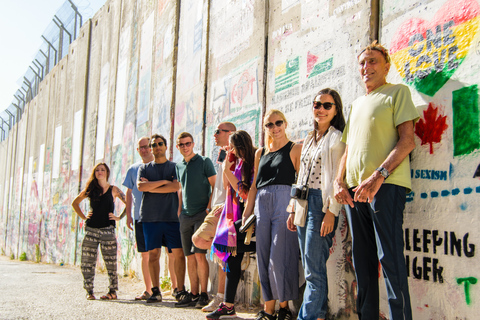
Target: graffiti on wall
(427, 53)
(431, 127)
(434, 57)
(145, 75)
(235, 98)
(342, 295)
(466, 134)
(228, 43)
(298, 79)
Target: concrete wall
(163, 66)
(435, 50)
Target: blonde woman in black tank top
(277, 247)
(99, 229)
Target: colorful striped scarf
(225, 241)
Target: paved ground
(44, 291)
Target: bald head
(223, 131)
(228, 126)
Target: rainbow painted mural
(427, 53)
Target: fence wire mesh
(59, 34)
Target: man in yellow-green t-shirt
(372, 181)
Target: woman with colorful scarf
(228, 244)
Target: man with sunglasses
(158, 214)
(372, 181)
(205, 234)
(197, 176)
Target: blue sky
(22, 23)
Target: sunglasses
(160, 144)
(271, 125)
(186, 144)
(326, 105)
(217, 132)
(144, 147)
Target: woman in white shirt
(316, 222)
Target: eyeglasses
(277, 123)
(160, 144)
(144, 147)
(217, 132)
(326, 105)
(186, 144)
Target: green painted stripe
(322, 67)
(286, 76)
(466, 135)
(288, 85)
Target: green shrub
(23, 257)
(165, 284)
(38, 255)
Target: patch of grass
(12, 257)
(23, 256)
(38, 255)
(165, 284)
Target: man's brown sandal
(145, 295)
(90, 296)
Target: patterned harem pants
(108, 244)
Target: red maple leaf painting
(430, 128)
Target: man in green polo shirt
(197, 176)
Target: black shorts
(188, 226)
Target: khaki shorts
(207, 229)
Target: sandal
(111, 295)
(145, 295)
(90, 296)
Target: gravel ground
(31, 290)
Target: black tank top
(101, 207)
(276, 168)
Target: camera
(299, 191)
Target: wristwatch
(384, 172)
(208, 210)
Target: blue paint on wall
(444, 193)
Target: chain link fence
(59, 34)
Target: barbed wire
(59, 34)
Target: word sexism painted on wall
(437, 242)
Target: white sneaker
(213, 305)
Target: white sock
(220, 295)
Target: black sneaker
(284, 314)
(262, 315)
(181, 295)
(223, 312)
(202, 300)
(156, 296)
(189, 301)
